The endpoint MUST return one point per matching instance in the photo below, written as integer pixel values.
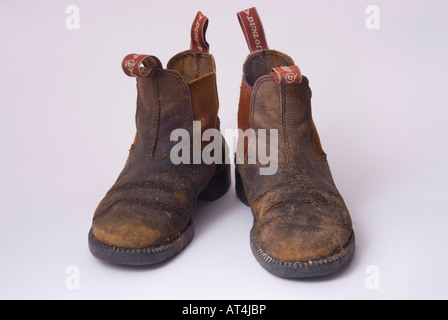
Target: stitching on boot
(156, 117)
(189, 116)
(157, 205)
(198, 67)
(285, 130)
(303, 264)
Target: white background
(67, 121)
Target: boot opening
(192, 64)
(260, 63)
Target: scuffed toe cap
(127, 226)
(303, 237)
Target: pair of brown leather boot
(301, 228)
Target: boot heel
(240, 192)
(218, 186)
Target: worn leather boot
(146, 217)
(302, 227)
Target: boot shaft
(269, 102)
(172, 99)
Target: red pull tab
(198, 30)
(140, 65)
(253, 29)
(287, 75)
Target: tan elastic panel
(204, 97)
(244, 106)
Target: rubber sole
(144, 256)
(303, 269)
(296, 269)
(215, 189)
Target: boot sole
(144, 256)
(215, 189)
(303, 269)
(296, 269)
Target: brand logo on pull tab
(287, 75)
(198, 30)
(253, 29)
(140, 65)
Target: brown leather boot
(146, 217)
(302, 227)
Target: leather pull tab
(287, 75)
(198, 30)
(140, 65)
(253, 30)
